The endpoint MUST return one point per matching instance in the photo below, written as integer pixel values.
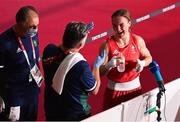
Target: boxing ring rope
(148, 16)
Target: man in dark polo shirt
(70, 101)
(19, 65)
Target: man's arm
(2, 80)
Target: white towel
(64, 67)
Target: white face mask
(32, 32)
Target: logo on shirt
(18, 50)
(133, 49)
(35, 43)
(115, 52)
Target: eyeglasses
(89, 27)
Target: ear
(129, 23)
(80, 45)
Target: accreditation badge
(36, 74)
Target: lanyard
(25, 52)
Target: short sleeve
(1, 56)
(2, 75)
(88, 81)
(48, 62)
